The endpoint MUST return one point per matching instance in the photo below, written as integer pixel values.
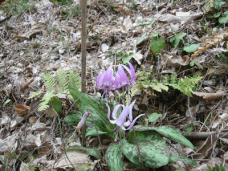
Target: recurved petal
(122, 116)
(108, 77)
(132, 124)
(133, 76)
(115, 110)
(131, 71)
(108, 115)
(124, 80)
(100, 79)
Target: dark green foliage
(114, 157)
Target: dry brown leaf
(204, 148)
(77, 159)
(22, 109)
(211, 41)
(123, 9)
(26, 84)
(208, 96)
(174, 60)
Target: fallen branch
(205, 135)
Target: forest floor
(184, 42)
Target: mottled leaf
(174, 159)
(95, 152)
(98, 108)
(154, 153)
(154, 116)
(91, 131)
(168, 132)
(114, 157)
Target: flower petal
(132, 124)
(131, 71)
(124, 80)
(100, 79)
(122, 116)
(108, 76)
(133, 76)
(108, 115)
(83, 120)
(115, 110)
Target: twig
(205, 135)
(83, 58)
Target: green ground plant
(55, 85)
(184, 85)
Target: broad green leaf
(57, 104)
(168, 132)
(98, 107)
(127, 58)
(142, 39)
(157, 44)
(216, 15)
(154, 116)
(154, 153)
(114, 157)
(95, 152)
(176, 40)
(191, 48)
(224, 20)
(174, 159)
(143, 136)
(91, 131)
(73, 118)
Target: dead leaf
(127, 24)
(208, 96)
(26, 84)
(77, 159)
(205, 147)
(174, 60)
(222, 118)
(22, 109)
(138, 57)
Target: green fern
(184, 85)
(49, 81)
(45, 100)
(62, 79)
(35, 94)
(58, 83)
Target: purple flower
(106, 81)
(126, 114)
(121, 78)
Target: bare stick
(83, 58)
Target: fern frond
(62, 80)
(34, 94)
(74, 80)
(45, 100)
(49, 81)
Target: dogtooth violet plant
(143, 146)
